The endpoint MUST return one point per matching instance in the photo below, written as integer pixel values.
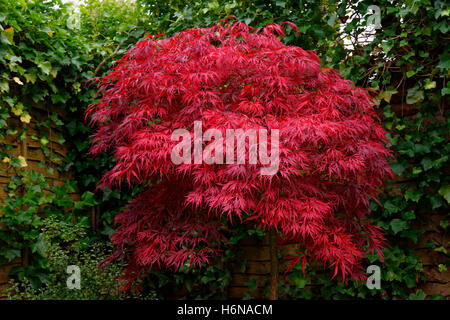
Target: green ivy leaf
(298, 279)
(414, 95)
(332, 19)
(413, 195)
(398, 225)
(39, 246)
(7, 36)
(430, 85)
(45, 67)
(11, 254)
(387, 94)
(419, 295)
(251, 283)
(445, 192)
(444, 62)
(421, 149)
(426, 163)
(436, 201)
(4, 86)
(399, 167)
(409, 215)
(410, 73)
(88, 199)
(30, 77)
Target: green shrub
(66, 244)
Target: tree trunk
(273, 294)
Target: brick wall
(254, 262)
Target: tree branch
(106, 59)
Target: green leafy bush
(66, 244)
(48, 52)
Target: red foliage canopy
(332, 148)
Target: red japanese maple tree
(332, 154)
